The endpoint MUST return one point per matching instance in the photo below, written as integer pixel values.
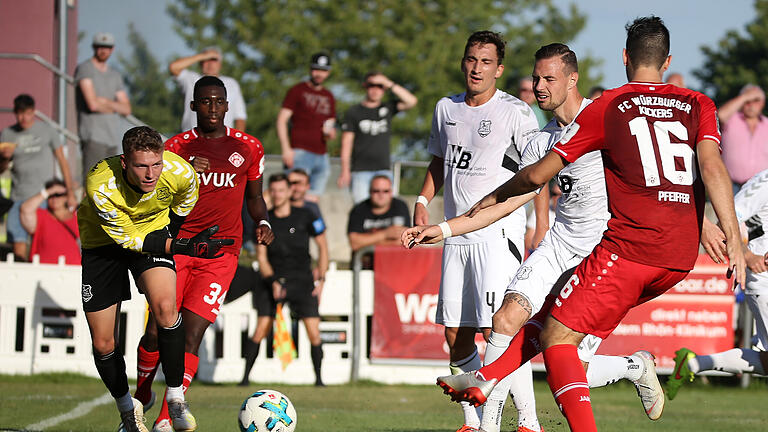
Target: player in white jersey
(580, 219)
(752, 210)
(476, 141)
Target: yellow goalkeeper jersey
(113, 212)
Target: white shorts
(474, 279)
(538, 274)
(588, 347)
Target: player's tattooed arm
(520, 300)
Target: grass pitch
(27, 400)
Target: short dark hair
(596, 89)
(274, 178)
(567, 56)
(55, 181)
(647, 42)
(370, 74)
(142, 138)
(23, 102)
(486, 37)
(206, 81)
(300, 171)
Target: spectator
(366, 130)
(745, 134)
(210, 64)
(54, 229)
(595, 92)
(299, 181)
(311, 109)
(286, 267)
(33, 146)
(525, 92)
(379, 220)
(100, 99)
(676, 79)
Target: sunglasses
(373, 191)
(371, 85)
(57, 195)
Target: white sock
(604, 370)
(175, 393)
(521, 389)
(519, 384)
(471, 363)
(124, 403)
(737, 360)
(494, 406)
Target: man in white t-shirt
(210, 64)
(476, 141)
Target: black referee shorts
(105, 274)
(298, 296)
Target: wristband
(423, 200)
(270, 280)
(44, 193)
(265, 222)
(446, 229)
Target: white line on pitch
(78, 411)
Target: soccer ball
(267, 411)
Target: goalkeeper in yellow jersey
(128, 220)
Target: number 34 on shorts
(202, 285)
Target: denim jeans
(318, 166)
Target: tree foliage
(154, 98)
(418, 44)
(738, 59)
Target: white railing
(42, 329)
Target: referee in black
(286, 268)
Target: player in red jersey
(651, 136)
(230, 165)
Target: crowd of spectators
(43, 193)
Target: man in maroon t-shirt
(230, 164)
(651, 136)
(311, 110)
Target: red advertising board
(697, 313)
(406, 283)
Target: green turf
(374, 407)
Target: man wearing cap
(100, 99)
(745, 134)
(210, 64)
(311, 109)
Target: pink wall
(31, 27)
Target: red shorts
(605, 287)
(202, 284)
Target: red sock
(190, 369)
(146, 368)
(524, 346)
(164, 409)
(568, 382)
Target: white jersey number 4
(668, 151)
